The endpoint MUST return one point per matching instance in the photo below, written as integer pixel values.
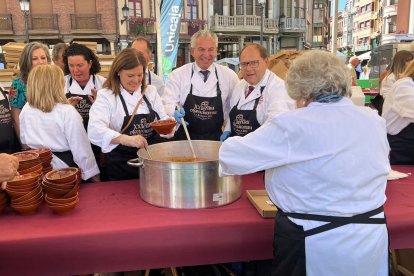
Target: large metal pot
(184, 184)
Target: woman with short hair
(326, 169)
(49, 121)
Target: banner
(171, 11)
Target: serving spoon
(187, 134)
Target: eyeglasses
(253, 64)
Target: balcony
(243, 24)
(140, 26)
(43, 24)
(362, 47)
(86, 23)
(390, 10)
(392, 28)
(6, 26)
(288, 24)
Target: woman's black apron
(84, 104)
(243, 122)
(8, 141)
(116, 162)
(289, 256)
(402, 146)
(204, 115)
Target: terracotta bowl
(28, 165)
(24, 179)
(26, 156)
(36, 168)
(26, 209)
(62, 175)
(72, 192)
(63, 186)
(163, 126)
(22, 188)
(34, 194)
(61, 201)
(43, 152)
(64, 208)
(56, 193)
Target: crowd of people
(304, 132)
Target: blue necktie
(205, 74)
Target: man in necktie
(202, 89)
(259, 96)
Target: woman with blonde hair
(398, 112)
(120, 117)
(330, 218)
(49, 121)
(33, 54)
(397, 67)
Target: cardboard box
(262, 202)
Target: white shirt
(179, 82)
(60, 130)
(327, 159)
(155, 81)
(274, 99)
(386, 85)
(107, 114)
(76, 89)
(398, 109)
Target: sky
(341, 5)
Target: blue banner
(171, 11)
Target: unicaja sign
(175, 19)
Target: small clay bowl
(34, 169)
(26, 156)
(26, 209)
(62, 176)
(61, 201)
(30, 195)
(63, 186)
(56, 193)
(24, 179)
(163, 126)
(64, 208)
(43, 152)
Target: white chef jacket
(398, 109)
(59, 130)
(76, 89)
(326, 159)
(155, 81)
(386, 85)
(107, 114)
(179, 82)
(274, 98)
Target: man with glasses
(259, 96)
(201, 89)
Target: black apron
(116, 163)
(84, 104)
(289, 256)
(7, 134)
(402, 146)
(149, 77)
(243, 122)
(67, 157)
(204, 115)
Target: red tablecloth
(112, 229)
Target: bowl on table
(62, 208)
(62, 175)
(163, 126)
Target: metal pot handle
(136, 162)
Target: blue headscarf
(328, 97)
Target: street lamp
(25, 7)
(125, 14)
(262, 4)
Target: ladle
(149, 154)
(187, 134)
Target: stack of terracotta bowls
(26, 193)
(61, 187)
(29, 162)
(45, 157)
(3, 201)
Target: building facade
(54, 21)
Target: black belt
(335, 222)
(67, 157)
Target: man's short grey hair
(204, 33)
(318, 72)
(57, 48)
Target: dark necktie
(250, 89)
(205, 74)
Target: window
(135, 8)
(239, 7)
(192, 9)
(218, 7)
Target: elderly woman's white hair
(317, 73)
